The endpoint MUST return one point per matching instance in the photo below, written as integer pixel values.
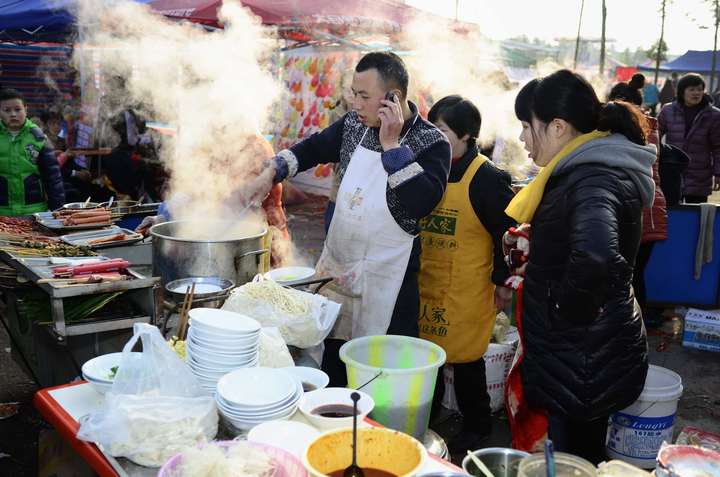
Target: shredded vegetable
(286, 300)
(240, 460)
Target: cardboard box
(702, 329)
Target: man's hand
(147, 222)
(716, 185)
(253, 191)
(391, 123)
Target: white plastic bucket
(636, 433)
(401, 372)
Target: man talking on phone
(392, 169)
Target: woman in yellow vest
(462, 262)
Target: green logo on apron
(439, 224)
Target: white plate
(290, 275)
(256, 387)
(221, 321)
(100, 367)
(291, 436)
(309, 376)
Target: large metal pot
(236, 258)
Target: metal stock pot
(237, 257)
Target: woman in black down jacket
(585, 344)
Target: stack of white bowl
(248, 397)
(218, 342)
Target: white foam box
(702, 329)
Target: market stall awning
(25, 21)
(385, 15)
(693, 61)
(35, 20)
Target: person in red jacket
(654, 218)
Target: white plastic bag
(155, 407)
(302, 331)
(274, 353)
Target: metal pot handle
(254, 252)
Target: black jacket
(586, 349)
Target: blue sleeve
(51, 177)
(420, 185)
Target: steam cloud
(214, 87)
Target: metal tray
(47, 220)
(81, 239)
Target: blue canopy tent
(23, 21)
(693, 61)
(32, 21)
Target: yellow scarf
(523, 206)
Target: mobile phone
(390, 96)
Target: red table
(67, 425)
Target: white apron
(366, 251)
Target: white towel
(704, 248)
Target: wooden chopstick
(183, 327)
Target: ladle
(354, 470)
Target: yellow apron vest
(457, 305)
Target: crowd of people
(418, 218)
(72, 161)
(417, 222)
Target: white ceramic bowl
(214, 320)
(208, 362)
(99, 386)
(261, 417)
(323, 397)
(222, 339)
(257, 387)
(222, 354)
(100, 367)
(246, 411)
(290, 275)
(311, 378)
(291, 436)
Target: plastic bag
(302, 331)
(155, 407)
(274, 353)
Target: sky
(631, 23)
